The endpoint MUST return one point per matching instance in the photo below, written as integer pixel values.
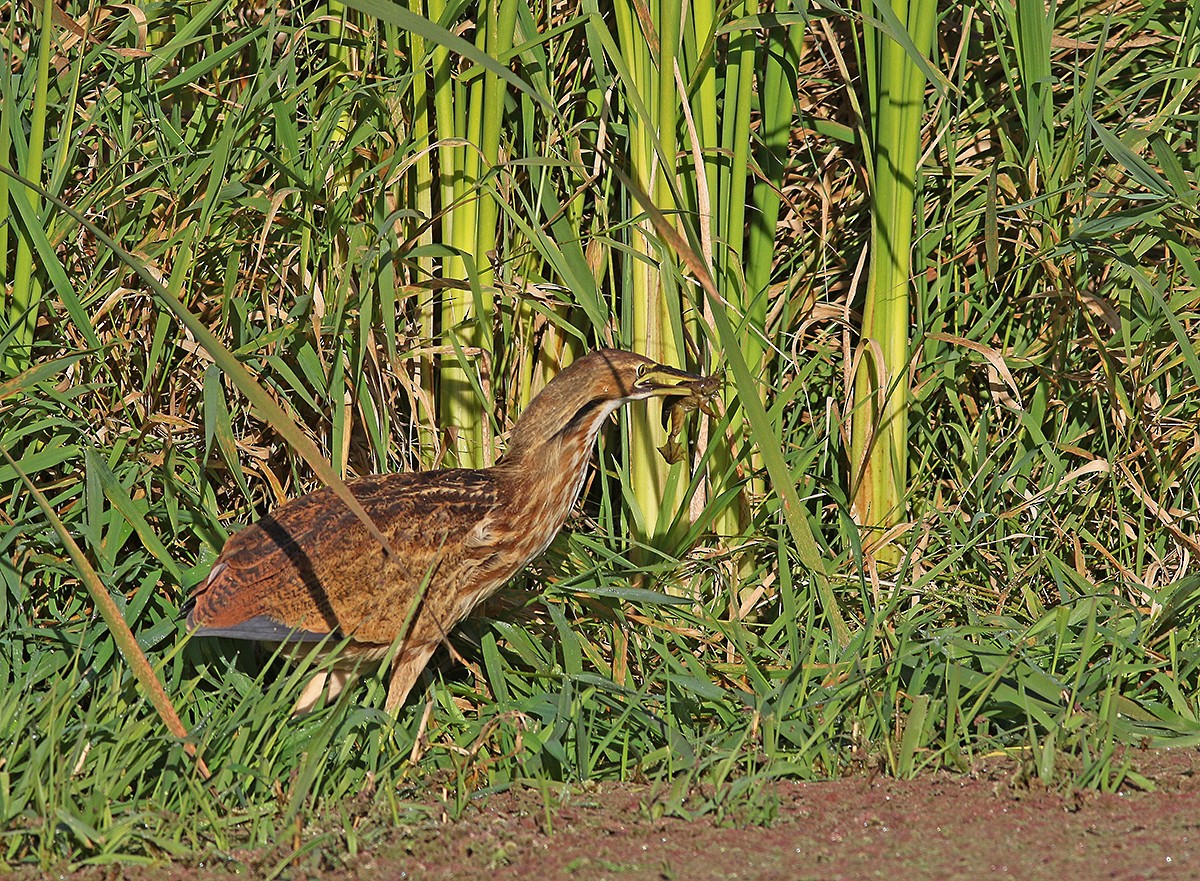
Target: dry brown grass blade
(124, 637)
(1010, 394)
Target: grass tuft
(256, 266)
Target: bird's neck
(544, 469)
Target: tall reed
(894, 47)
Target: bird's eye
(641, 370)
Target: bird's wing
(310, 569)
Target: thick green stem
(879, 439)
(25, 302)
(656, 486)
(734, 273)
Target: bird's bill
(662, 381)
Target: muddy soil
(990, 823)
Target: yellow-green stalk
(879, 437)
(25, 300)
(422, 189)
(469, 120)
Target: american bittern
(310, 571)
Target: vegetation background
(946, 255)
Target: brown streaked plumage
(310, 569)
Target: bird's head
(613, 375)
(579, 398)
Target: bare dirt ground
(992, 823)
(940, 827)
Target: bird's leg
(405, 670)
(339, 679)
(311, 695)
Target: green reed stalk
(7, 103)
(25, 300)
(708, 130)
(469, 119)
(656, 485)
(745, 264)
(879, 439)
(423, 187)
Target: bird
(310, 572)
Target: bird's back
(311, 569)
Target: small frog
(702, 398)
